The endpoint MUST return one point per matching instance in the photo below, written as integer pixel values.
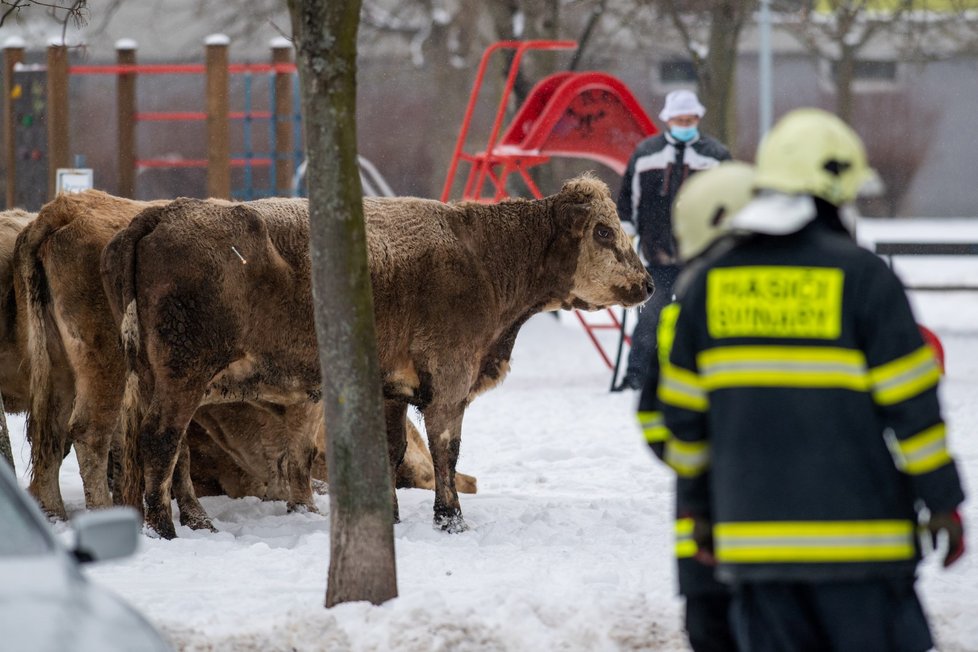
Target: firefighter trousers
(882, 615)
(708, 623)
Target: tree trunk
(844, 73)
(451, 85)
(718, 72)
(5, 451)
(361, 562)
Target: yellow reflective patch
(905, 377)
(667, 331)
(687, 458)
(653, 427)
(685, 546)
(682, 388)
(774, 302)
(923, 452)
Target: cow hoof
(198, 523)
(301, 508)
(56, 516)
(162, 531)
(452, 524)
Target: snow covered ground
(570, 546)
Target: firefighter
(804, 414)
(702, 207)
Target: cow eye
(602, 232)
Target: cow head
(608, 270)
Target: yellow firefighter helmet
(812, 152)
(705, 202)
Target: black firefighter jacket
(803, 407)
(657, 168)
(695, 578)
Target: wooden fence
(54, 110)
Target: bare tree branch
(74, 12)
(592, 20)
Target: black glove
(703, 537)
(949, 523)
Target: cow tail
(47, 439)
(119, 278)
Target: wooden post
(125, 90)
(218, 141)
(282, 115)
(13, 53)
(57, 112)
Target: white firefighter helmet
(812, 152)
(706, 202)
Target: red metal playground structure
(588, 115)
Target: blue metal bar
(272, 141)
(299, 152)
(248, 185)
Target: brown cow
(240, 454)
(73, 343)
(216, 307)
(14, 370)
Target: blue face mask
(684, 134)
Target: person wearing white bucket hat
(657, 168)
(682, 104)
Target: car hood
(47, 604)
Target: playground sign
(73, 180)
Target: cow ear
(576, 216)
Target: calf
(240, 454)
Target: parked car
(46, 603)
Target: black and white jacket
(655, 171)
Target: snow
(570, 546)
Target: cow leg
(116, 452)
(160, 438)
(97, 381)
(45, 485)
(277, 464)
(275, 437)
(415, 469)
(395, 413)
(49, 447)
(301, 430)
(192, 513)
(93, 464)
(444, 426)
(92, 431)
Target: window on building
(871, 70)
(677, 71)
